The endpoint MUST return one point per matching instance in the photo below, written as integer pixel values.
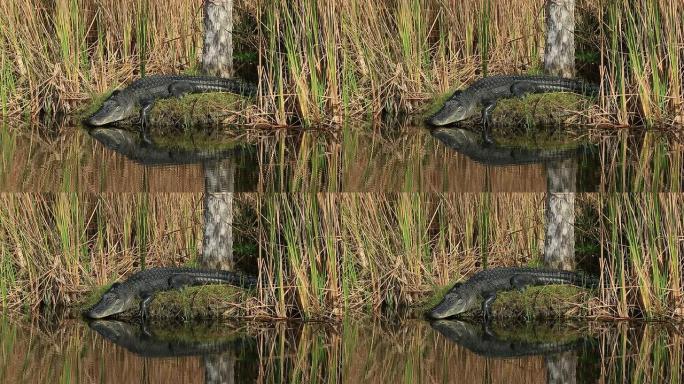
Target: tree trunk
(559, 52)
(559, 242)
(220, 369)
(217, 55)
(561, 368)
(219, 177)
(217, 250)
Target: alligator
(143, 92)
(140, 341)
(143, 285)
(485, 284)
(484, 94)
(482, 341)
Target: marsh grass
(322, 255)
(642, 78)
(651, 353)
(642, 228)
(321, 62)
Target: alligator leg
(520, 281)
(144, 303)
(180, 88)
(489, 106)
(146, 107)
(181, 280)
(522, 88)
(489, 298)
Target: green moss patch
(209, 301)
(199, 108)
(540, 109)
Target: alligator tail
(218, 84)
(579, 279)
(223, 277)
(568, 85)
(586, 88)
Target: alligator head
(117, 107)
(112, 302)
(453, 303)
(454, 109)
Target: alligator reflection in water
(220, 354)
(482, 340)
(468, 143)
(144, 341)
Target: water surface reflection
(402, 159)
(351, 352)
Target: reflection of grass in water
(647, 354)
(351, 352)
(540, 332)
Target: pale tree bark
(217, 55)
(559, 249)
(217, 250)
(220, 369)
(219, 177)
(561, 368)
(559, 52)
(559, 240)
(217, 60)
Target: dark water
(408, 159)
(351, 352)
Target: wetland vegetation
(355, 218)
(323, 63)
